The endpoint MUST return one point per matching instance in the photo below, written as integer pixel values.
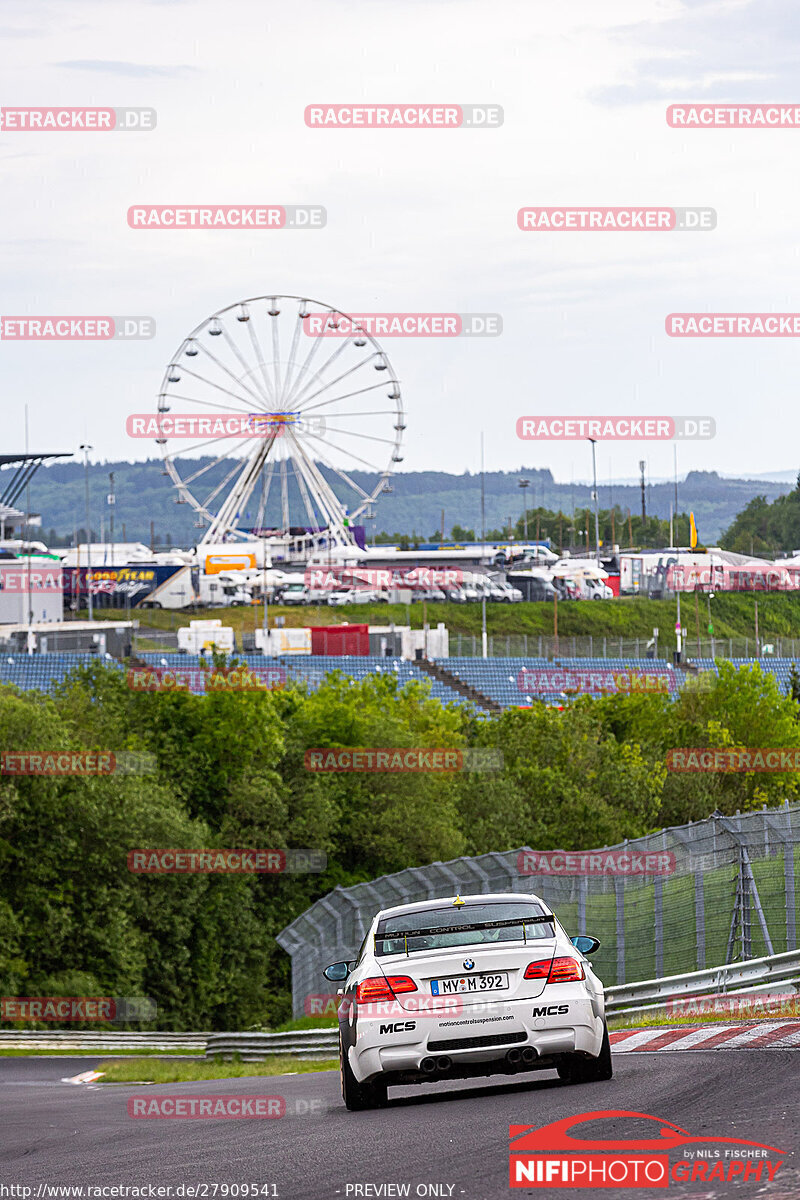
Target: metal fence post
(700, 919)
(582, 890)
(658, 904)
(619, 888)
(744, 898)
(791, 916)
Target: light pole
(594, 497)
(265, 627)
(85, 448)
(524, 483)
(709, 598)
(484, 639)
(112, 500)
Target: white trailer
(199, 636)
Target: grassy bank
(733, 616)
(8, 1052)
(154, 1071)
(658, 1020)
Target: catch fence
(601, 646)
(730, 894)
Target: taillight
(401, 983)
(538, 970)
(560, 970)
(383, 988)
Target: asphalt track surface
(454, 1134)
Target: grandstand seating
(312, 669)
(42, 671)
(510, 682)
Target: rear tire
(358, 1096)
(588, 1070)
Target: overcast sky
(418, 221)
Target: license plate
(456, 984)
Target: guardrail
(736, 980)
(253, 1047)
(750, 977)
(57, 1039)
(250, 1047)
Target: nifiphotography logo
(554, 1156)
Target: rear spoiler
(405, 934)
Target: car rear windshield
(472, 925)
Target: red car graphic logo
(552, 1157)
(529, 1138)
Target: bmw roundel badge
(468, 964)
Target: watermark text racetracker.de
(403, 116)
(771, 577)
(220, 1107)
(397, 324)
(267, 425)
(208, 679)
(740, 1006)
(549, 681)
(25, 577)
(633, 219)
(728, 760)
(227, 216)
(77, 1008)
(384, 759)
(596, 862)
(150, 861)
(610, 429)
(331, 579)
(734, 116)
(76, 120)
(76, 329)
(225, 1107)
(414, 1007)
(53, 763)
(728, 324)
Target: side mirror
(337, 972)
(586, 944)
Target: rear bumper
(380, 1048)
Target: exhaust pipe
(428, 1065)
(444, 1062)
(529, 1055)
(514, 1057)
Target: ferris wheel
(318, 406)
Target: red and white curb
(744, 1035)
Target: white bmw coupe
(460, 987)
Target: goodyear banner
(118, 587)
